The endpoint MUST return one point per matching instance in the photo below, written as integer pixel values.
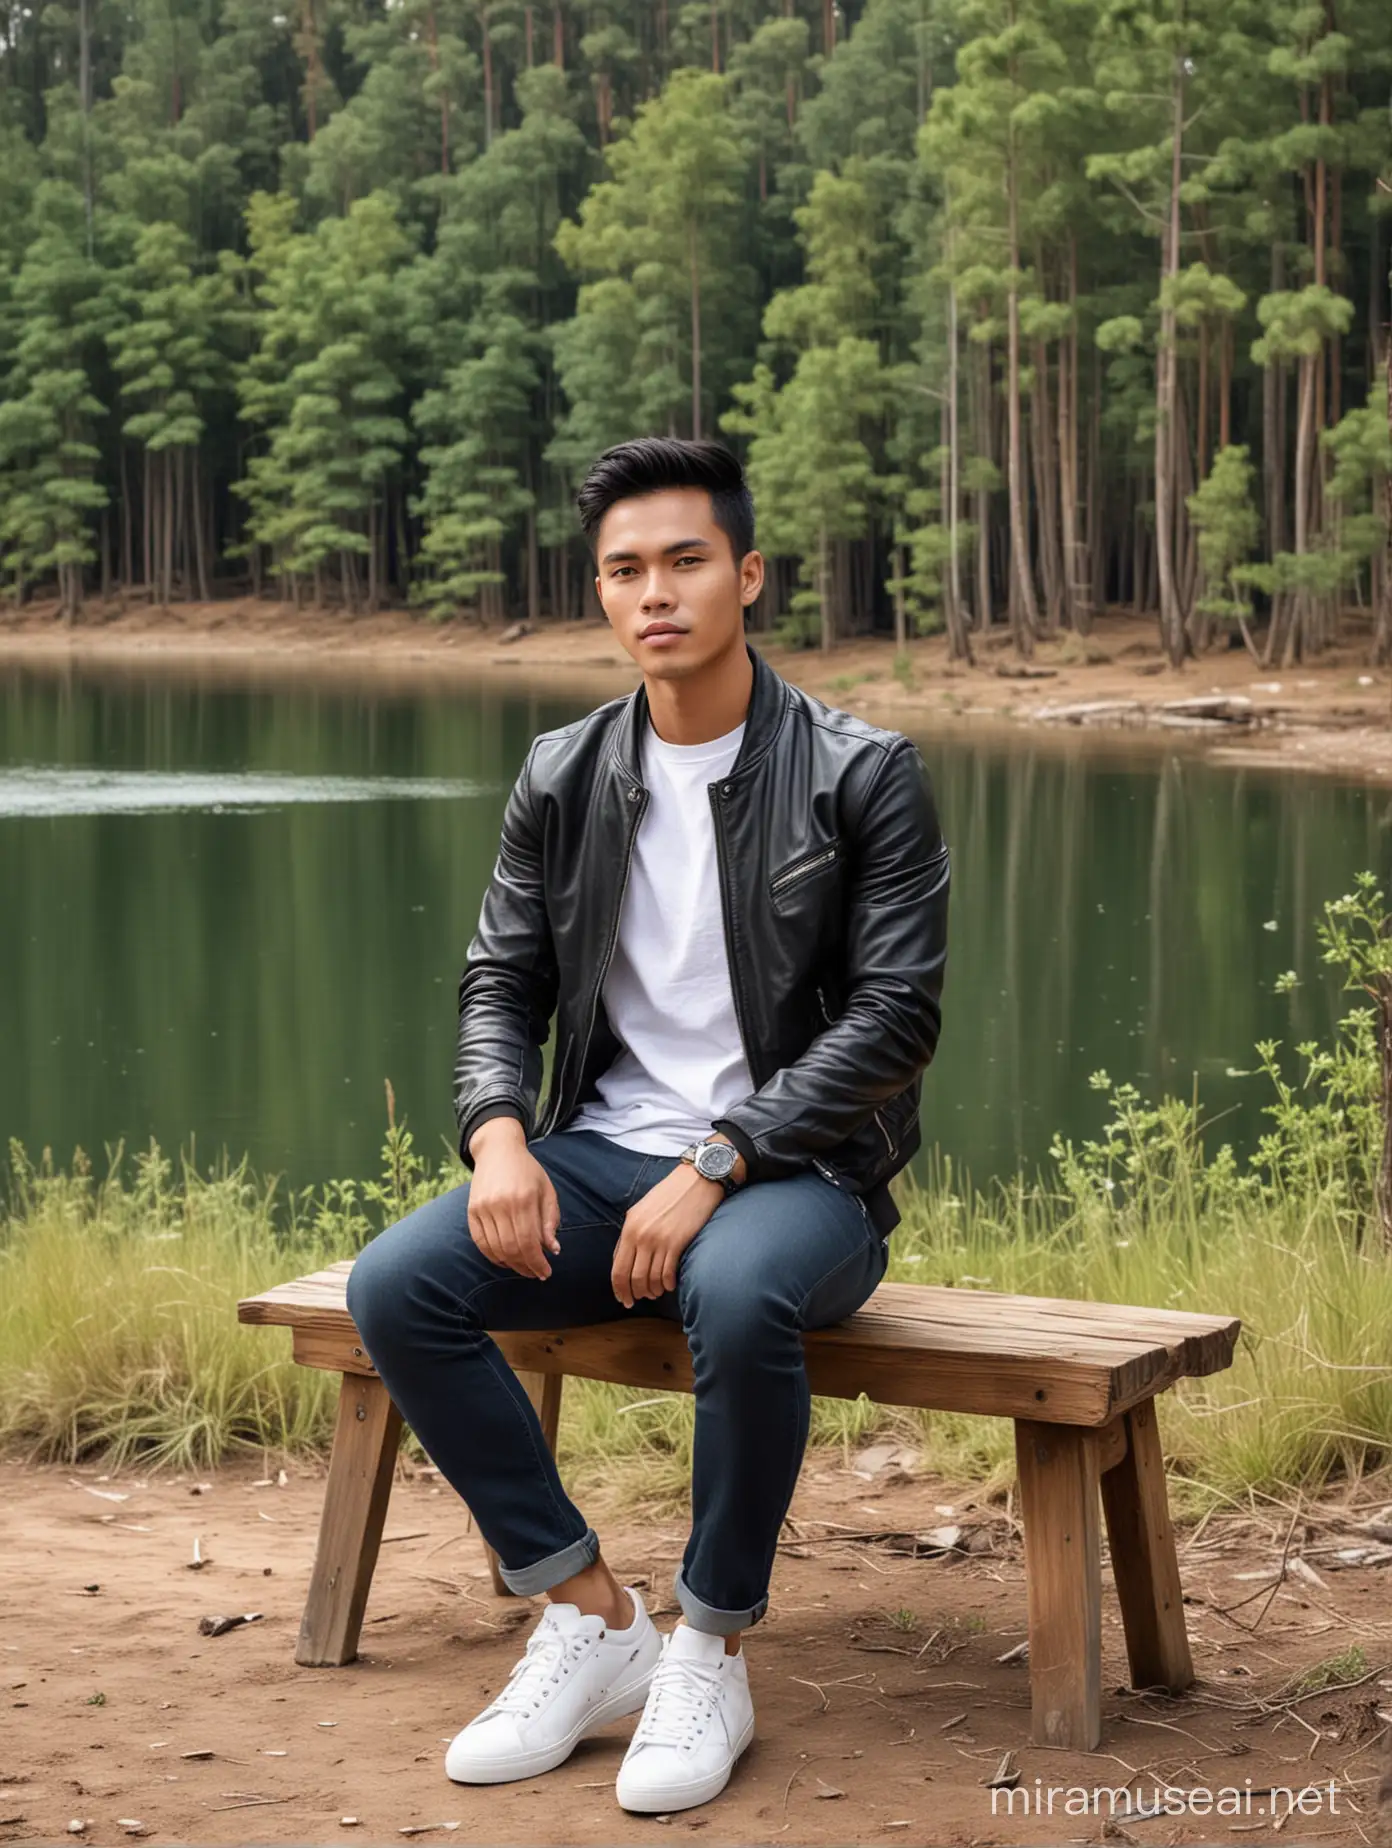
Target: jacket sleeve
(507, 993)
(895, 952)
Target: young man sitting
(734, 902)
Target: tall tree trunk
(1096, 544)
(1166, 396)
(558, 36)
(196, 513)
(901, 621)
(1382, 630)
(528, 30)
(1075, 590)
(533, 551)
(127, 535)
(824, 588)
(1273, 428)
(84, 91)
(147, 526)
(958, 640)
(167, 562)
(1046, 499)
(1026, 617)
(984, 448)
(309, 39)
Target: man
(734, 901)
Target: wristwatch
(716, 1161)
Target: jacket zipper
(792, 873)
(714, 789)
(613, 935)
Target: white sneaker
(575, 1677)
(697, 1721)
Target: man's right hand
(514, 1214)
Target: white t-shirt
(667, 991)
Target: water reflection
(247, 954)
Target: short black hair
(649, 463)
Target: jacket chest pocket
(802, 885)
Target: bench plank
(912, 1344)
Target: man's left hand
(656, 1231)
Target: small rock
(76, 1826)
(348, 1822)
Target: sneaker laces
(683, 1696)
(550, 1655)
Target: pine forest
(1018, 311)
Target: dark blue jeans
(776, 1258)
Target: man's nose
(656, 594)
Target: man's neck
(708, 705)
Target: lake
(228, 914)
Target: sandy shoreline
(1335, 717)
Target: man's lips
(660, 628)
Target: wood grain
(1144, 1562)
(350, 1527)
(1063, 1581)
(980, 1351)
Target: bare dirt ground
(1335, 716)
(884, 1705)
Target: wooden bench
(1079, 1380)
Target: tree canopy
(1016, 309)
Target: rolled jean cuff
(531, 1581)
(706, 1617)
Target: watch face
(716, 1159)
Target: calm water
(228, 915)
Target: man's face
(669, 583)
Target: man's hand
(513, 1211)
(658, 1229)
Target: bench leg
(350, 1527)
(1063, 1566)
(1144, 1562)
(544, 1391)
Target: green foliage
(354, 295)
(1228, 526)
(119, 1339)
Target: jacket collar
(768, 705)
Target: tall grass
(119, 1338)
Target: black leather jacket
(833, 884)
